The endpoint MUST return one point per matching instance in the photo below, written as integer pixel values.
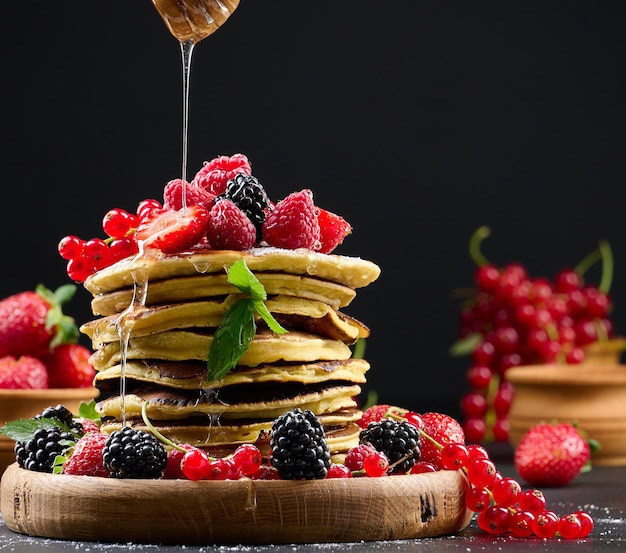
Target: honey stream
(189, 21)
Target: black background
(418, 121)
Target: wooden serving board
(243, 511)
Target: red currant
(454, 456)
(247, 459)
(195, 464)
(376, 464)
(545, 524)
(494, 519)
(570, 526)
(521, 523)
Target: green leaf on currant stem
(238, 327)
(466, 345)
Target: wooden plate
(233, 512)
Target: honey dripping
(189, 21)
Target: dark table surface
(601, 492)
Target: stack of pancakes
(157, 316)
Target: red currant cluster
(85, 257)
(194, 463)
(513, 319)
(501, 504)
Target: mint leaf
(232, 339)
(88, 411)
(22, 430)
(265, 314)
(237, 328)
(240, 276)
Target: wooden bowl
(24, 404)
(593, 395)
(185, 512)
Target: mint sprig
(238, 327)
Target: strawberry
(378, 412)
(31, 322)
(551, 455)
(86, 457)
(69, 367)
(443, 429)
(333, 229)
(229, 228)
(293, 223)
(194, 195)
(26, 372)
(173, 231)
(216, 173)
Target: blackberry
(298, 446)
(398, 440)
(62, 414)
(131, 453)
(38, 453)
(247, 193)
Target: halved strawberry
(333, 229)
(173, 231)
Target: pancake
(192, 375)
(235, 402)
(301, 314)
(208, 286)
(180, 345)
(352, 272)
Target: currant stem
(474, 246)
(161, 437)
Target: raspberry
(333, 229)
(355, 458)
(247, 193)
(298, 446)
(216, 173)
(398, 440)
(194, 195)
(86, 458)
(130, 453)
(25, 372)
(229, 228)
(378, 412)
(293, 223)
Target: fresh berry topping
(247, 459)
(130, 453)
(337, 470)
(69, 367)
(333, 230)
(293, 223)
(216, 173)
(356, 456)
(39, 453)
(119, 223)
(194, 195)
(229, 228)
(194, 463)
(22, 373)
(174, 231)
(398, 440)
(62, 414)
(298, 446)
(378, 412)
(86, 457)
(551, 455)
(247, 193)
(443, 429)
